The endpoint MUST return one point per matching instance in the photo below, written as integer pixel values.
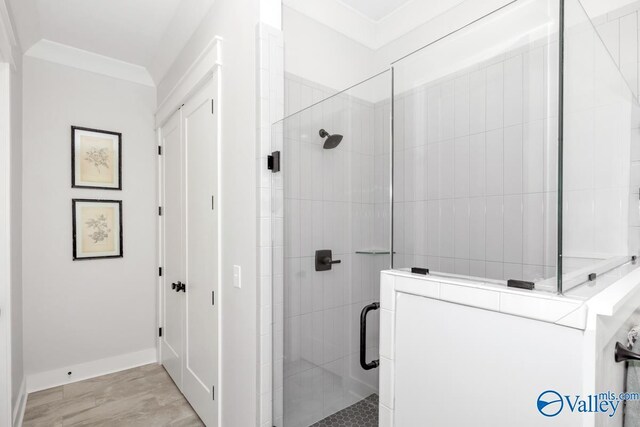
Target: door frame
(205, 69)
(5, 248)
(9, 49)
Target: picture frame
(97, 229)
(96, 158)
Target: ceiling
(147, 33)
(373, 23)
(376, 10)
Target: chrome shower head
(332, 141)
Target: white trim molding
(89, 61)
(95, 368)
(6, 375)
(198, 72)
(21, 404)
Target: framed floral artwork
(96, 158)
(97, 229)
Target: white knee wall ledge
(48, 379)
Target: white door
(172, 340)
(191, 248)
(200, 373)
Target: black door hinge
(273, 162)
(213, 298)
(213, 392)
(160, 210)
(159, 332)
(159, 150)
(160, 271)
(212, 109)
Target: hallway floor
(144, 396)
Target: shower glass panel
(475, 186)
(600, 206)
(332, 193)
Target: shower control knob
(324, 260)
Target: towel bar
(622, 354)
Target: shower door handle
(363, 337)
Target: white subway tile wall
(472, 168)
(598, 178)
(270, 86)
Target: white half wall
(80, 312)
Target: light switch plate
(237, 276)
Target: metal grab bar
(622, 354)
(363, 337)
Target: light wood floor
(144, 396)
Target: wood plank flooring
(144, 396)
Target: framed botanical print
(97, 229)
(96, 158)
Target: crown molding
(89, 61)
(8, 39)
(201, 69)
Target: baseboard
(84, 371)
(21, 404)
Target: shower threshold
(361, 414)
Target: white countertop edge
(570, 313)
(486, 285)
(610, 300)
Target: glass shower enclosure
(500, 153)
(331, 212)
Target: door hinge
(160, 271)
(213, 203)
(213, 392)
(160, 210)
(159, 332)
(213, 298)
(273, 162)
(159, 150)
(212, 108)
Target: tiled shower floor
(361, 414)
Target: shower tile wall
(474, 179)
(619, 31)
(598, 107)
(329, 203)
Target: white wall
(322, 55)
(80, 312)
(235, 22)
